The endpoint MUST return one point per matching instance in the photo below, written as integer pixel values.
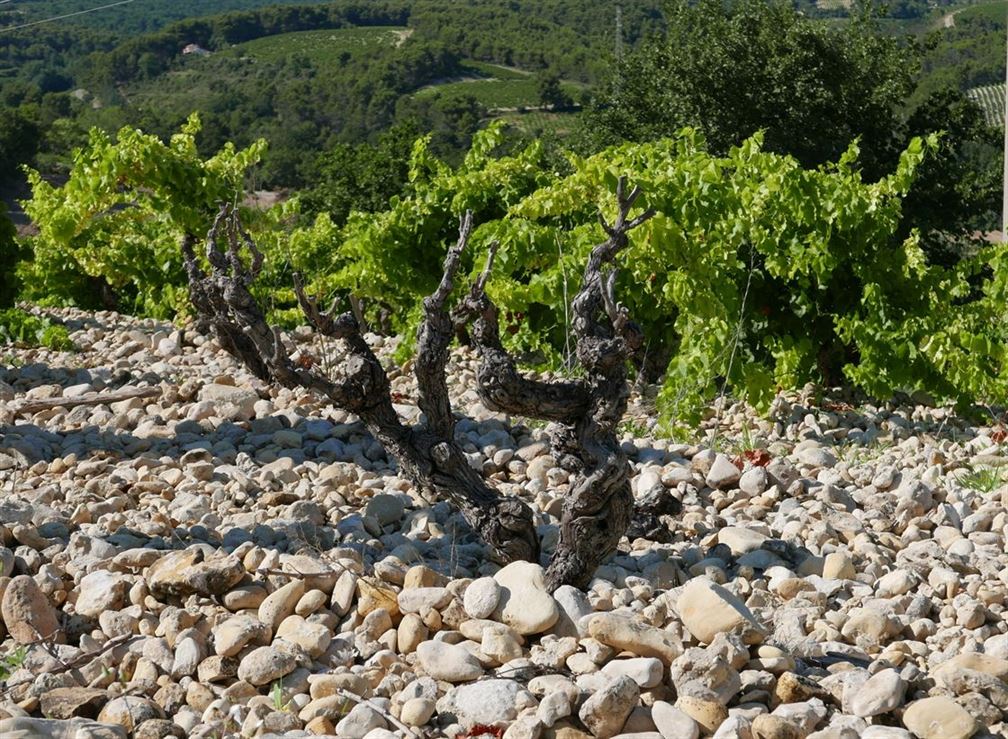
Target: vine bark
(584, 412)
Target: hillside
(125, 17)
(495, 87)
(307, 77)
(967, 50)
(301, 90)
(310, 76)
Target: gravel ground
(223, 558)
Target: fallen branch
(78, 661)
(114, 396)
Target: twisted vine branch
(585, 412)
(428, 455)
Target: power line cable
(66, 15)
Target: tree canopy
(730, 71)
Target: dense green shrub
(755, 273)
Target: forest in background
(417, 66)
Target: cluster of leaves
(756, 273)
(18, 326)
(111, 233)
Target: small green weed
(276, 693)
(635, 428)
(11, 663)
(746, 443)
(21, 327)
(983, 480)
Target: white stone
(574, 606)
(606, 710)
(312, 637)
(361, 720)
(753, 481)
(882, 693)
(418, 600)
(816, 456)
(100, 591)
(723, 473)
(741, 540)
(231, 636)
(417, 711)
(524, 603)
(280, 604)
(448, 662)
(553, 707)
(485, 702)
(264, 665)
(624, 631)
(233, 403)
(838, 566)
(708, 609)
(481, 597)
(673, 723)
(645, 671)
(939, 718)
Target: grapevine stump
(584, 413)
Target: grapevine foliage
(755, 273)
(117, 222)
(18, 326)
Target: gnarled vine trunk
(585, 412)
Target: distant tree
(551, 93)
(9, 256)
(450, 117)
(149, 66)
(361, 177)
(958, 193)
(730, 71)
(19, 140)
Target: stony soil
(230, 559)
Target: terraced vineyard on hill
(991, 98)
(496, 87)
(127, 17)
(326, 46)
